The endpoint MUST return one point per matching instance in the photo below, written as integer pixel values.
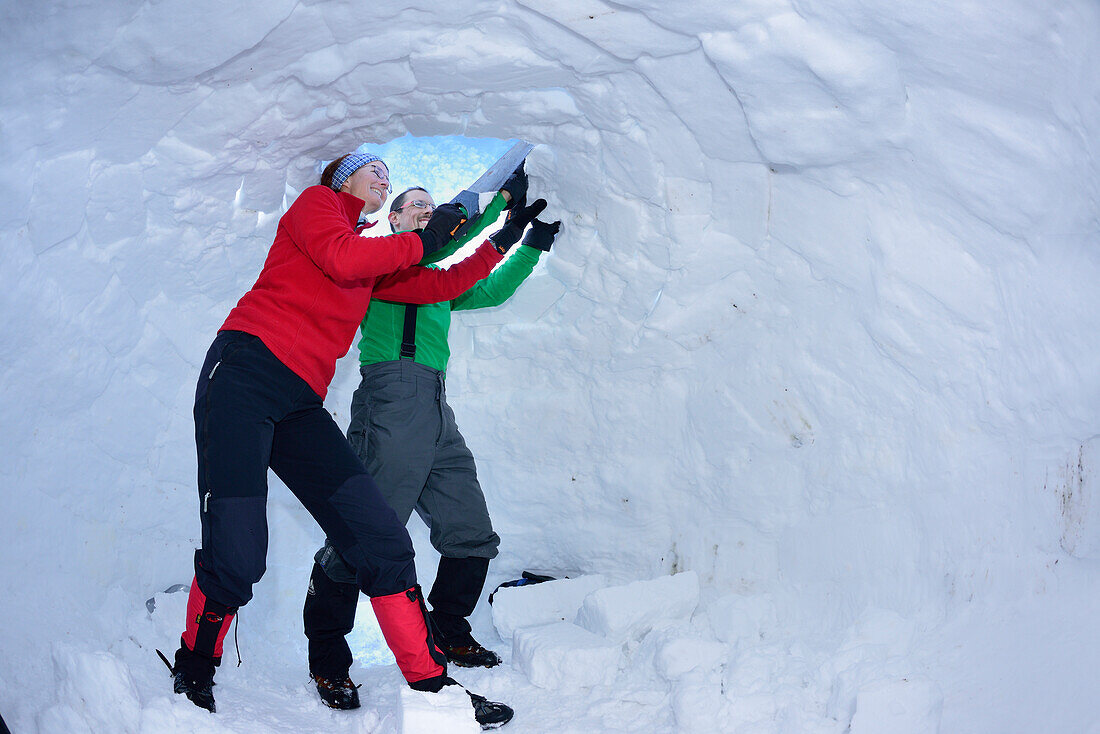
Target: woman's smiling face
(371, 183)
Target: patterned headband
(350, 165)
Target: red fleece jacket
(319, 277)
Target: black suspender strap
(408, 338)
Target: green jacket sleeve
(496, 206)
(499, 286)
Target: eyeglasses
(381, 174)
(416, 204)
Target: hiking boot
(200, 650)
(198, 691)
(193, 675)
(458, 584)
(469, 653)
(490, 714)
(337, 693)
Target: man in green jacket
(405, 433)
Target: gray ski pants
(405, 433)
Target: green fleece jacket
(384, 324)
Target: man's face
(414, 212)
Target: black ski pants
(330, 607)
(251, 413)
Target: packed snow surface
(820, 330)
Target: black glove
(518, 219)
(541, 235)
(437, 232)
(516, 186)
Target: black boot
(207, 623)
(490, 714)
(193, 675)
(338, 693)
(458, 584)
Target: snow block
(678, 656)
(98, 689)
(898, 707)
(538, 604)
(563, 655)
(624, 612)
(449, 710)
(736, 618)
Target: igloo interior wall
(821, 324)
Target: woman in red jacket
(258, 404)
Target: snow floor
(644, 656)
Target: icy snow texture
(899, 707)
(1079, 485)
(821, 327)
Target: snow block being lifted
(621, 613)
(563, 655)
(448, 711)
(537, 604)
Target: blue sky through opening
(444, 165)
